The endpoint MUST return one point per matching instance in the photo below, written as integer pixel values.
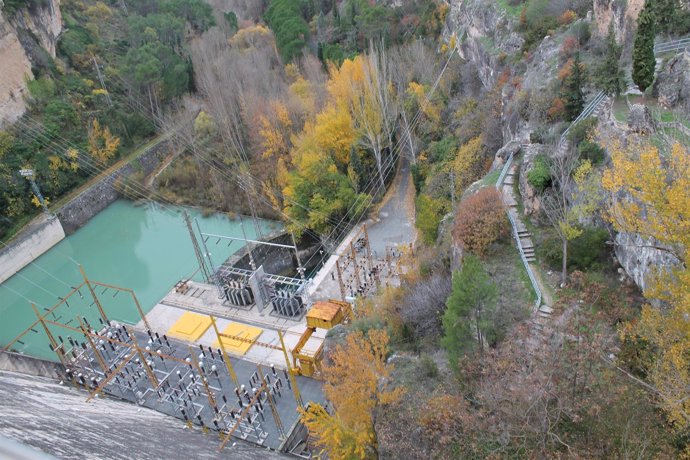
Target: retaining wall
(23, 364)
(36, 239)
(93, 200)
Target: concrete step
(524, 233)
(546, 309)
(526, 243)
(509, 200)
(530, 259)
(509, 180)
(544, 315)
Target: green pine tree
(644, 62)
(466, 322)
(571, 91)
(609, 75)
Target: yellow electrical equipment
(323, 315)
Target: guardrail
(675, 45)
(513, 224)
(586, 112)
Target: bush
(428, 366)
(538, 135)
(443, 150)
(591, 151)
(582, 130)
(540, 176)
(586, 252)
(429, 212)
(480, 221)
(581, 31)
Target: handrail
(673, 45)
(516, 235)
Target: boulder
(531, 198)
(640, 257)
(640, 120)
(672, 85)
(502, 155)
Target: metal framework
(351, 258)
(155, 371)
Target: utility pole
(29, 174)
(102, 80)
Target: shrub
(538, 135)
(540, 176)
(443, 150)
(586, 252)
(480, 221)
(429, 212)
(567, 17)
(591, 151)
(429, 367)
(582, 130)
(581, 31)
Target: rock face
(672, 85)
(623, 14)
(531, 198)
(22, 36)
(639, 258)
(485, 33)
(640, 120)
(502, 155)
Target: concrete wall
(93, 200)
(23, 364)
(36, 239)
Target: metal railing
(516, 235)
(674, 45)
(586, 112)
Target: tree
(102, 144)
(480, 221)
(649, 195)
(573, 197)
(644, 62)
(608, 74)
(466, 321)
(356, 383)
(571, 90)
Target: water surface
(145, 248)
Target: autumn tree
(102, 143)
(467, 165)
(480, 221)
(574, 196)
(571, 89)
(466, 321)
(649, 195)
(356, 383)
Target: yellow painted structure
(246, 336)
(190, 327)
(322, 315)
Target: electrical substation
(236, 354)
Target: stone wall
(93, 200)
(44, 233)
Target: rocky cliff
(623, 14)
(26, 35)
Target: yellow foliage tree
(467, 164)
(102, 144)
(356, 383)
(649, 195)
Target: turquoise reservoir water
(145, 248)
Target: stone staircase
(508, 192)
